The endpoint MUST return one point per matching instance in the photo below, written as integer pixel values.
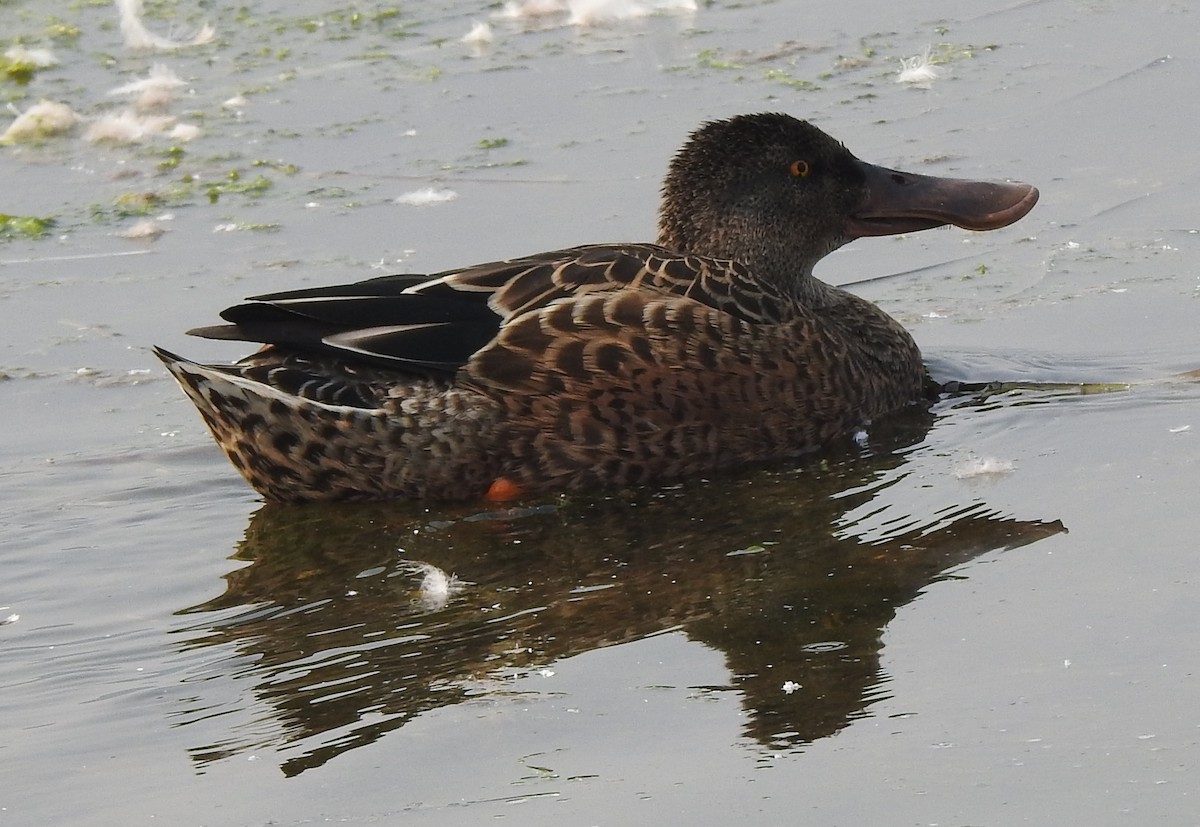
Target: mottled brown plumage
(601, 365)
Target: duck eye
(799, 169)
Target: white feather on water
(155, 91)
(127, 127)
(37, 58)
(148, 229)
(137, 36)
(597, 12)
(918, 71)
(480, 34)
(43, 120)
(426, 196)
(436, 587)
(983, 467)
(527, 10)
(590, 12)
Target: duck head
(778, 194)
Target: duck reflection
(348, 622)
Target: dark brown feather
(598, 365)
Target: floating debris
(127, 127)
(918, 71)
(590, 12)
(983, 467)
(236, 102)
(425, 196)
(43, 120)
(753, 549)
(243, 227)
(24, 226)
(789, 687)
(479, 38)
(19, 64)
(145, 230)
(436, 587)
(184, 132)
(598, 12)
(155, 91)
(37, 58)
(137, 36)
(531, 9)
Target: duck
(600, 366)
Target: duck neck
(782, 267)
(814, 293)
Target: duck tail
(423, 439)
(290, 449)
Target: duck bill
(903, 202)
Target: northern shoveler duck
(602, 365)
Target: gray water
(865, 637)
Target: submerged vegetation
(24, 226)
(234, 183)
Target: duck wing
(438, 323)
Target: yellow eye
(799, 169)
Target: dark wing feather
(438, 346)
(380, 286)
(439, 322)
(520, 285)
(364, 311)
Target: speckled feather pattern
(595, 366)
(417, 439)
(611, 368)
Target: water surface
(873, 635)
